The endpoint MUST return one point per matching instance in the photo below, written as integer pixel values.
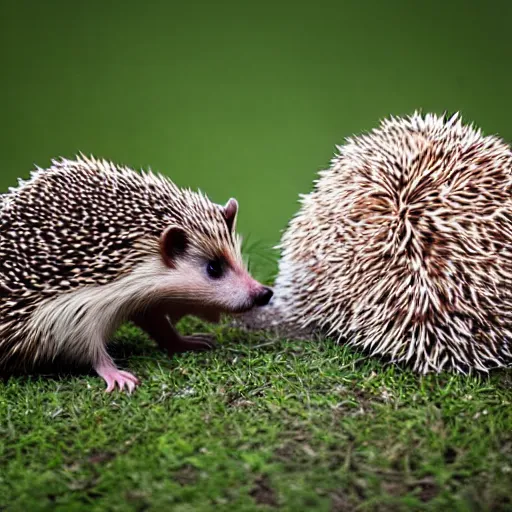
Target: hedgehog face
(208, 273)
(215, 284)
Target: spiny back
(78, 223)
(404, 247)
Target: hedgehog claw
(196, 343)
(112, 376)
(122, 379)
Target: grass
(259, 424)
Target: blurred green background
(243, 99)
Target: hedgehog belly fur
(76, 324)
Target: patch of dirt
(241, 403)
(355, 401)
(426, 489)
(292, 454)
(449, 455)
(186, 475)
(262, 492)
(84, 484)
(299, 450)
(341, 502)
(98, 458)
(138, 500)
(237, 400)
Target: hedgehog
(87, 245)
(404, 248)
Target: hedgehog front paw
(115, 377)
(122, 379)
(195, 343)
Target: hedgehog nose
(263, 298)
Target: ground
(258, 424)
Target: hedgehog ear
(230, 211)
(173, 243)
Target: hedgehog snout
(263, 298)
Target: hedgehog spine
(403, 248)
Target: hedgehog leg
(113, 376)
(196, 342)
(158, 324)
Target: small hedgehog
(86, 245)
(404, 248)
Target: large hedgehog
(403, 248)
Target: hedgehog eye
(215, 269)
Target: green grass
(259, 424)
